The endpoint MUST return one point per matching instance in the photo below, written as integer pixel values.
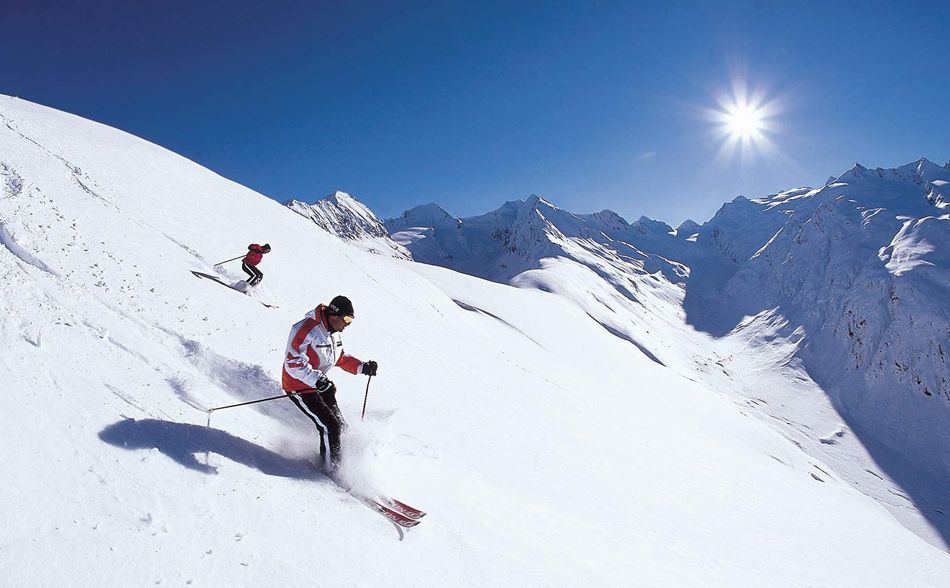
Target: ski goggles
(347, 318)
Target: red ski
(399, 513)
(402, 508)
(393, 515)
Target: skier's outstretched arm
(355, 366)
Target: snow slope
(545, 449)
(859, 270)
(823, 308)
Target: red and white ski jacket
(312, 350)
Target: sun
(744, 121)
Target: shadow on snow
(927, 490)
(184, 442)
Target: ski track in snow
(8, 241)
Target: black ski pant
(255, 274)
(323, 410)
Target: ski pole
(227, 260)
(365, 397)
(210, 410)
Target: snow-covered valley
(548, 448)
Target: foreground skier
(314, 346)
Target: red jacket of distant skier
(254, 254)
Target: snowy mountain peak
(912, 188)
(341, 214)
(923, 170)
(687, 228)
(645, 225)
(424, 215)
(919, 171)
(856, 171)
(343, 199)
(346, 217)
(531, 203)
(536, 201)
(607, 221)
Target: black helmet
(340, 306)
(266, 247)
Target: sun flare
(744, 121)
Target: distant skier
(314, 346)
(254, 255)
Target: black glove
(369, 368)
(324, 386)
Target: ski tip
(402, 508)
(393, 515)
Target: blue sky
(591, 104)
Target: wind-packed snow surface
(547, 450)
